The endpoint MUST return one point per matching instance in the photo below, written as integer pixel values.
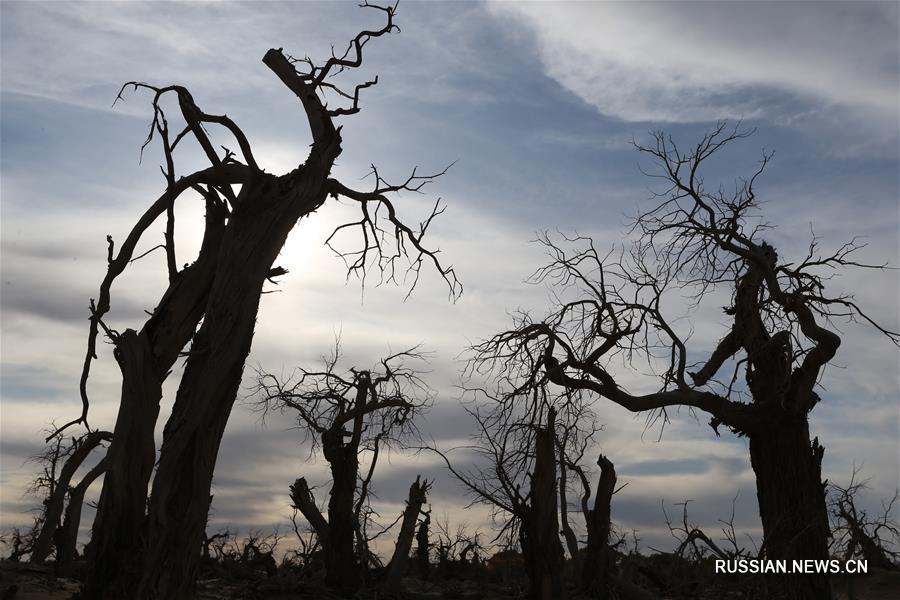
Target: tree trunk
(792, 507)
(539, 533)
(54, 504)
(342, 569)
(398, 565)
(256, 232)
(303, 500)
(263, 214)
(596, 566)
(422, 547)
(568, 533)
(145, 359)
(67, 535)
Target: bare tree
(522, 450)
(212, 304)
(418, 495)
(857, 532)
(21, 542)
(609, 308)
(539, 531)
(56, 479)
(346, 415)
(595, 571)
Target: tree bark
(43, 545)
(398, 566)
(263, 215)
(791, 496)
(256, 232)
(67, 534)
(539, 532)
(342, 569)
(144, 359)
(596, 565)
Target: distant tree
(212, 303)
(522, 453)
(398, 566)
(613, 307)
(859, 533)
(345, 416)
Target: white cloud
(707, 60)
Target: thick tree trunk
(67, 534)
(539, 532)
(400, 559)
(266, 211)
(596, 566)
(53, 510)
(117, 541)
(145, 359)
(791, 497)
(263, 214)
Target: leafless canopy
(858, 532)
(501, 454)
(610, 306)
(394, 394)
(388, 244)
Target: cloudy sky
(537, 104)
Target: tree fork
(256, 232)
(145, 359)
(54, 504)
(67, 535)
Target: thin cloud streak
(697, 61)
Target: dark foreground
(647, 580)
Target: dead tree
(66, 536)
(539, 531)
(516, 446)
(59, 488)
(344, 417)
(212, 304)
(397, 568)
(595, 569)
(857, 533)
(456, 551)
(576, 430)
(609, 308)
(20, 542)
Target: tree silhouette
(344, 416)
(56, 532)
(522, 452)
(212, 304)
(612, 308)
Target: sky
(536, 106)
